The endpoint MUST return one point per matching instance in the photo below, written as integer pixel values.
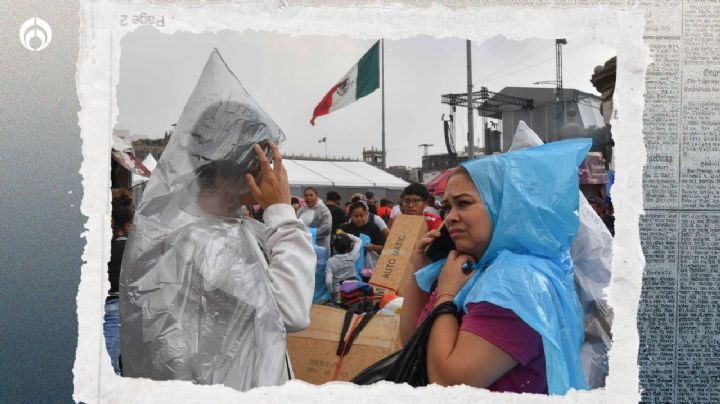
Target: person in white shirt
(316, 214)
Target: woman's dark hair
(358, 204)
(333, 196)
(294, 200)
(310, 189)
(342, 243)
(123, 197)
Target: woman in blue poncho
(513, 218)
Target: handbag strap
(343, 345)
(343, 332)
(365, 320)
(408, 365)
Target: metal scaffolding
(488, 103)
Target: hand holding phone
(273, 186)
(441, 246)
(419, 258)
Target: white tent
(150, 163)
(345, 177)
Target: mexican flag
(361, 80)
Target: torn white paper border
(104, 23)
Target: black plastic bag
(409, 365)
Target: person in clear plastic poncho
(206, 295)
(513, 218)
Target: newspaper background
(678, 328)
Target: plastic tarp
(592, 258)
(531, 197)
(195, 296)
(436, 186)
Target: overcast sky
(288, 76)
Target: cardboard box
(313, 351)
(395, 262)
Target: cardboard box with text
(313, 351)
(395, 262)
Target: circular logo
(35, 34)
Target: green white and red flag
(361, 80)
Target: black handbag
(408, 365)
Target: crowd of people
(355, 231)
(177, 307)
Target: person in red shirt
(384, 210)
(414, 202)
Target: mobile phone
(441, 246)
(249, 161)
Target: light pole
(425, 148)
(324, 140)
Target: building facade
(143, 147)
(374, 157)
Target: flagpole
(382, 96)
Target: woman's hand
(273, 187)
(453, 278)
(420, 259)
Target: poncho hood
(528, 196)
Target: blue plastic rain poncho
(531, 197)
(360, 262)
(321, 294)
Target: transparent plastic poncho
(531, 197)
(195, 297)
